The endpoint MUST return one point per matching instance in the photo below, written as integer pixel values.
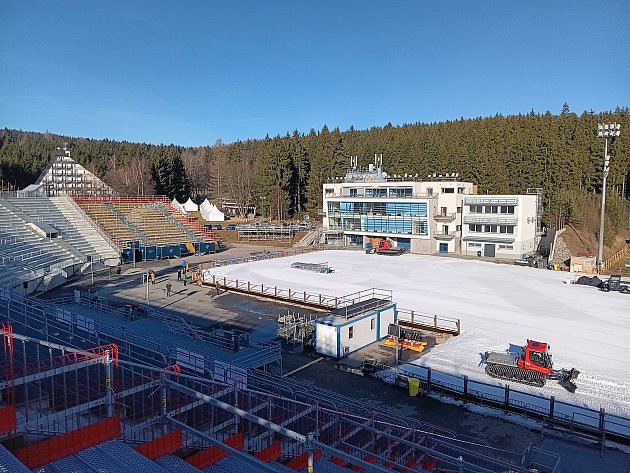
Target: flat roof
(345, 314)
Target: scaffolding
(296, 328)
(86, 405)
(313, 267)
(267, 232)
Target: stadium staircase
(171, 219)
(85, 410)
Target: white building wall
(387, 316)
(362, 333)
(326, 339)
(524, 236)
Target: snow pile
(498, 305)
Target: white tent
(210, 212)
(190, 206)
(179, 207)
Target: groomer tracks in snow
(499, 305)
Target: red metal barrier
(8, 420)
(211, 455)
(161, 446)
(300, 462)
(52, 449)
(7, 338)
(340, 461)
(271, 453)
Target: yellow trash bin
(414, 386)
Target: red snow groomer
(384, 247)
(534, 366)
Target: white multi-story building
(423, 216)
(502, 226)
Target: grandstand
(135, 219)
(74, 400)
(74, 227)
(32, 254)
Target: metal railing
(600, 423)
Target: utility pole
(605, 130)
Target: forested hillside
(502, 154)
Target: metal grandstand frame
(267, 232)
(72, 399)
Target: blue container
(207, 247)
(149, 253)
(170, 251)
(127, 255)
(479, 254)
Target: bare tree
(237, 180)
(197, 162)
(131, 179)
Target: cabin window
(350, 332)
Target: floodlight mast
(605, 130)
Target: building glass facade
(407, 218)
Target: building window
(330, 191)
(372, 324)
(476, 209)
(353, 192)
(460, 190)
(430, 191)
(506, 247)
(507, 209)
(474, 245)
(448, 190)
(458, 228)
(350, 332)
(459, 210)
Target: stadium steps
(176, 465)
(233, 464)
(10, 464)
(171, 219)
(308, 239)
(114, 456)
(123, 219)
(68, 464)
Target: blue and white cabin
(353, 327)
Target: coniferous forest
(284, 174)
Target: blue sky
(192, 72)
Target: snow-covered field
(498, 305)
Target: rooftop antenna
(354, 162)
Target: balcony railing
(490, 201)
(443, 235)
(490, 220)
(352, 197)
(445, 217)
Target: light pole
(605, 130)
